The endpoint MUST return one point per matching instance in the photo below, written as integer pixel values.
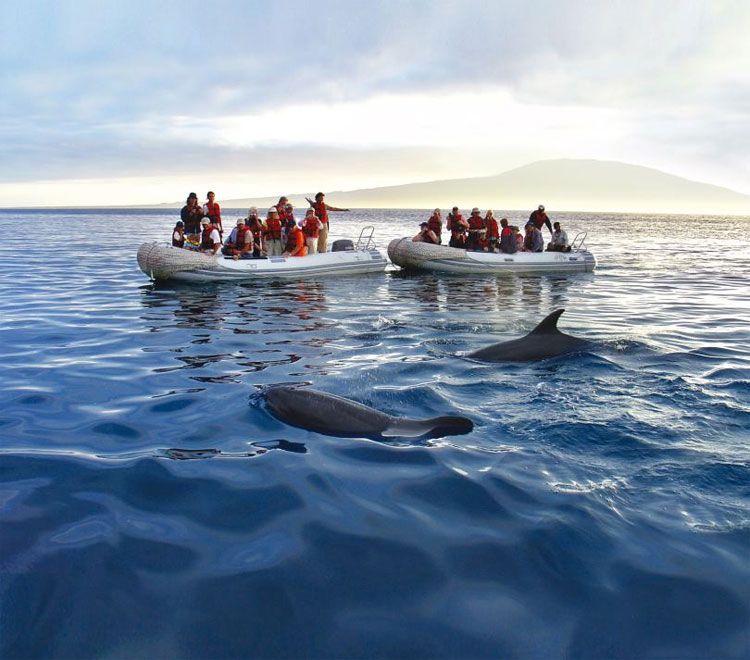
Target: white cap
(273, 209)
(205, 221)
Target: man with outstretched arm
(539, 218)
(321, 210)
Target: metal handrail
(366, 241)
(577, 246)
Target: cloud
(108, 87)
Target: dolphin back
(436, 427)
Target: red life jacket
(311, 227)
(321, 211)
(476, 222)
(242, 231)
(492, 229)
(539, 218)
(507, 231)
(452, 221)
(255, 226)
(295, 240)
(434, 224)
(283, 215)
(206, 242)
(273, 229)
(214, 213)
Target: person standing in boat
(508, 243)
(191, 215)
(539, 218)
(311, 229)
(321, 210)
(210, 238)
(435, 223)
(178, 234)
(212, 211)
(493, 231)
(477, 230)
(457, 226)
(255, 225)
(272, 233)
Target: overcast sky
(139, 102)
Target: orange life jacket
(295, 240)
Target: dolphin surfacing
(544, 341)
(334, 415)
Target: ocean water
(600, 507)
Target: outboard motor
(342, 245)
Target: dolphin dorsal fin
(549, 324)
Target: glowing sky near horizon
(126, 103)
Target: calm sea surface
(600, 508)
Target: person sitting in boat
(272, 233)
(458, 227)
(210, 237)
(508, 243)
(212, 211)
(321, 210)
(517, 237)
(191, 215)
(559, 242)
(295, 243)
(178, 234)
(477, 230)
(255, 225)
(533, 242)
(311, 226)
(539, 218)
(435, 223)
(426, 235)
(493, 232)
(240, 241)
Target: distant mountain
(561, 185)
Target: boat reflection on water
(496, 293)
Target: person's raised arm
(334, 208)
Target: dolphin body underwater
(544, 341)
(334, 415)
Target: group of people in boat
(278, 234)
(483, 234)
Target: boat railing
(578, 242)
(366, 240)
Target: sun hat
(475, 210)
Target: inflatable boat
(163, 262)
(443, 259)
